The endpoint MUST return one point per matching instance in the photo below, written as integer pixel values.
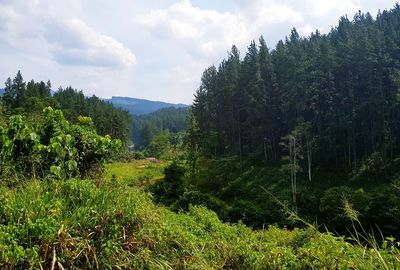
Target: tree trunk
(309, 159)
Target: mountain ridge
(138, 106)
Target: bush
(193, 197)
(54, 147)
(331, 205)
(129, 156)
(384, 209)
(172, 187)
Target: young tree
(20, 91)
(8, 99)
(291, 143)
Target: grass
(78, 224)
(138, 173)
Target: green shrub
(172, 187)
(54, 147)
(197, 198)
(331, 204)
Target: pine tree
(20, 90)
(8, 99)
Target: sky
(152, 49)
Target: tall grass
(76, 224)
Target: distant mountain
(136, 106)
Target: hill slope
(146, 127)
(115, 225)
(136, 106)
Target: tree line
(147, 127)
(327, 100)
(313, 123)
(30, 98)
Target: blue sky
(148, 49)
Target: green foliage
(166, 145)
(372, 168)
(81, 225)
(196, 198)
(36, 104)
(255, 195)
(332, 204)
(338, 90)
(384, 207)
(135, 173)
(31, 98)
(160, 145)
(146, 127)
(323, 109)
(128, 156)
(107, 119)
(172, 187)
(18, 94)
(54, 147)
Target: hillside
(315, 121)
(288, 158)
(136, 106)
(147, 126)
(67, 215)
(78, 224)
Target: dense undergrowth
(76, 224)
(314, 121)
(52, 147)
(257, 195)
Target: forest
(313, 123)
(146, 127)
(29, 98)
(289, 158)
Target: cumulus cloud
(323, 8)
(277, 17)
(75, 43)
(200, 32)
(37, 30)
(266, 12)
(208, 34)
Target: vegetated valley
(289, 158)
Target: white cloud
(323, 8)
(73, 42)
(275, 18)
(266, 12)
(7, 17)
(35, 30)
(202, 33)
